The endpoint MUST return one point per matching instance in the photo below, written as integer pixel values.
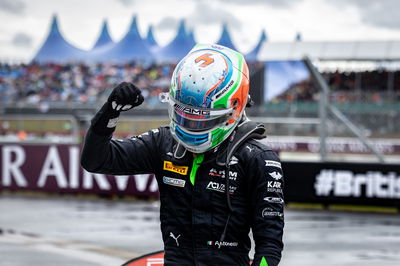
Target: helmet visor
(196, 124)
(196, 118)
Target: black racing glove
(123, 98)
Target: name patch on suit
(174, 181)
(273, 164)
(182, 170)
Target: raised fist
(124, 97)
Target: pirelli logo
(182, 170)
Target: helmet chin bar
(204, 147)
(194, 149)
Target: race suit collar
(244, 131)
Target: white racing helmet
(208, 95)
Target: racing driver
(216, 179)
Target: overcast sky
(25, 23)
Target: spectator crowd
(91, 83)
(78, 83)
(368, 86)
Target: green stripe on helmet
(223, 101)
(218, 135)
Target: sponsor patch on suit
(174, 181)
(169, 166)
(273, 164)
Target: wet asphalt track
(83, 232)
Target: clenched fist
(124, 97)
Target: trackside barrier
(56, 168)
(342, 183)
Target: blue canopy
(151, 42)
(131, 48)
(252, 56)
(104, 37)
(225, 39)
(190, 37)
(56, 49)
(176, 49)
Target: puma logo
(176, 238)
(250, 149)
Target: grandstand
(79, 89)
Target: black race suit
(193, 217)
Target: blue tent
(190, 37)
(225, 39)
(176, 49)
(56, 49)
(151, 42)
(104, 37)
(131, 48)
(252, 56)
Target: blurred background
(325, 79)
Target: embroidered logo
(274, 200)
(273, 164)
(220, 244)
(174, 181)
(176, 238)
(182, 170)
(275, 175)
(250, 149)
(269, 212)
(233, 161)
(220, 187)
